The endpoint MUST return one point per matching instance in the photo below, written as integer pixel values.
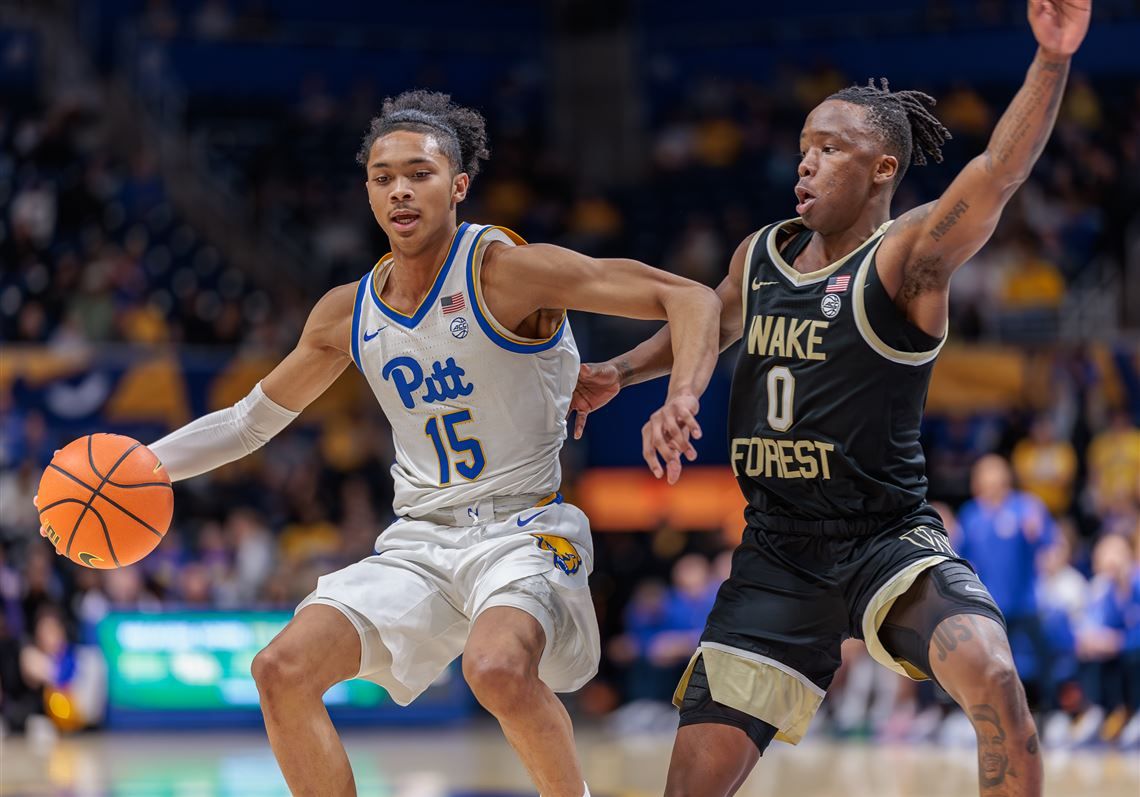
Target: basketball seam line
(75, 528)
(110, 501)
(107, 478)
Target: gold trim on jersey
(378, 284)
(756, 238)
(811, 277)
(880, 606)
(863, 322)
(476, 279)
(757, 685)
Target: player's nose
(807, 166)
(401, 190)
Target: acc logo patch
(831, 305)
(459, 327)
(566, 556)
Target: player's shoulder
(330, 320)
(336, 301)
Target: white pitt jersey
(475, 410)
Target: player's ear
(459, 187)
(886, 169)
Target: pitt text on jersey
(795, 339)
(444, 384)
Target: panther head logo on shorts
(566, 556)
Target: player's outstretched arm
(517, 281)
(600, 382)
(321, 355)
(922, 250)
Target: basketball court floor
(476, 762)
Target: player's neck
(826, 248)
(414, 270)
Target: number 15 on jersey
(448, 444)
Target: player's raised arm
(518, 281)
(926, 245)
(320, 356)
(600, 382)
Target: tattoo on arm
(1032, 746)
(951, 218)
(625, 368)
(1045, 86)
(924, 275)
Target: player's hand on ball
(1060, 25)
(668, 434)
(597, 384)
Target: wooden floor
(476, 761)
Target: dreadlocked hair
(904, 120)
(461, 132)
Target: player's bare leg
(710, 760)
(500, 663)
(318, 649)
(971, 658)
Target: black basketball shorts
(771, 644)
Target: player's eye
(422, 173)
(381, 179)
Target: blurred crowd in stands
(1045, 501)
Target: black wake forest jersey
(829, 389)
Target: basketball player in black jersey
(843, 312)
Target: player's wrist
(1047, 56)
(626, 371)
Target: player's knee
(500, 680)
(985, 674)
(277, 672)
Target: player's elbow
(692, 300)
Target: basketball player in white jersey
(462, 334)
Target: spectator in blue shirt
(1108, 641)
(1002, 533)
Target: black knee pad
(698, 706)
(949, 588)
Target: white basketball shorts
(413, 602)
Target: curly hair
(461, 132)
(904, 120)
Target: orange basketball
(105, 501)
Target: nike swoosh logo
(972, 588)
(89, 559)
(523, 521)
(370, 335)
(757, 284)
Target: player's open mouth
(806, 200)
(404, 220)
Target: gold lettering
(786, 464)
(762, 457)
(823, 449)
(814, 339)
(754, 466)
(771, 458)
(794, 348)
(758, 335)
(736, 441)
(777, 346)
(805, 458)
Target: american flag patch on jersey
(838, 284)
(453, 303)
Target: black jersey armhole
(889, 322)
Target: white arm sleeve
(222, 436)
